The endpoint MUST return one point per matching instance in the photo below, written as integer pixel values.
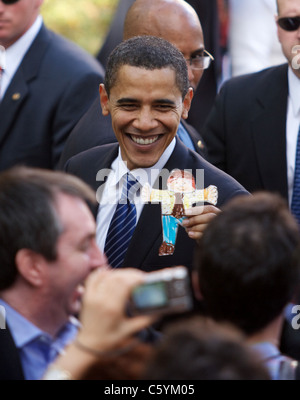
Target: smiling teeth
(144, 141)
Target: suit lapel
(269, 131)
(12, 102)
(18, 89)
(103, 165)
(196, 139)
(100, 170)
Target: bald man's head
(173, 20)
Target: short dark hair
(246, 263)
(28, 217)
(148, 52)
(195, 349)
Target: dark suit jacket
(144, 246)
(10, 364)
(53, 87)
(245, 133)
(96, 130)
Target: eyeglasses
(289, 24)
(200, 62)
(8, 2)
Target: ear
(104, 100)
(187, 103)
(30, 266)
(196, 286)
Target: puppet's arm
(209, 195)
(150, 195)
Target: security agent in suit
(246, 130)
(175, 21)
(46, 87)
(146, 92)
(251, 132)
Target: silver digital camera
(165, 291)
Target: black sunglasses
(289, 24)
(9, 1)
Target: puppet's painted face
(181, 182)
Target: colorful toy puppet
(180, 195)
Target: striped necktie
(295, 206)
(122, 224)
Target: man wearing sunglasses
(175, 21)
(253, 128)
(46, 85)
(251, 133)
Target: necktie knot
(130, 189)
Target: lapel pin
(16, 96)
(200, 144)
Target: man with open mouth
(48, 248)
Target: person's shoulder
(71, 54)
(227, 186)
(256, 78)
(94, 155)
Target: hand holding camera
(163, 292)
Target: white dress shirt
(15, 53)
(292, 127)
(112, 190)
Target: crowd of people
(116, 169)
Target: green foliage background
(85, 22)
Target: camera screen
(150, 295)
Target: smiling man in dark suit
(146, 93)
(47, 85)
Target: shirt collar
(24, 332)
(142, 175)
(16, 52)
(294, 92)
(2, 58)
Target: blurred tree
(85, 22)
